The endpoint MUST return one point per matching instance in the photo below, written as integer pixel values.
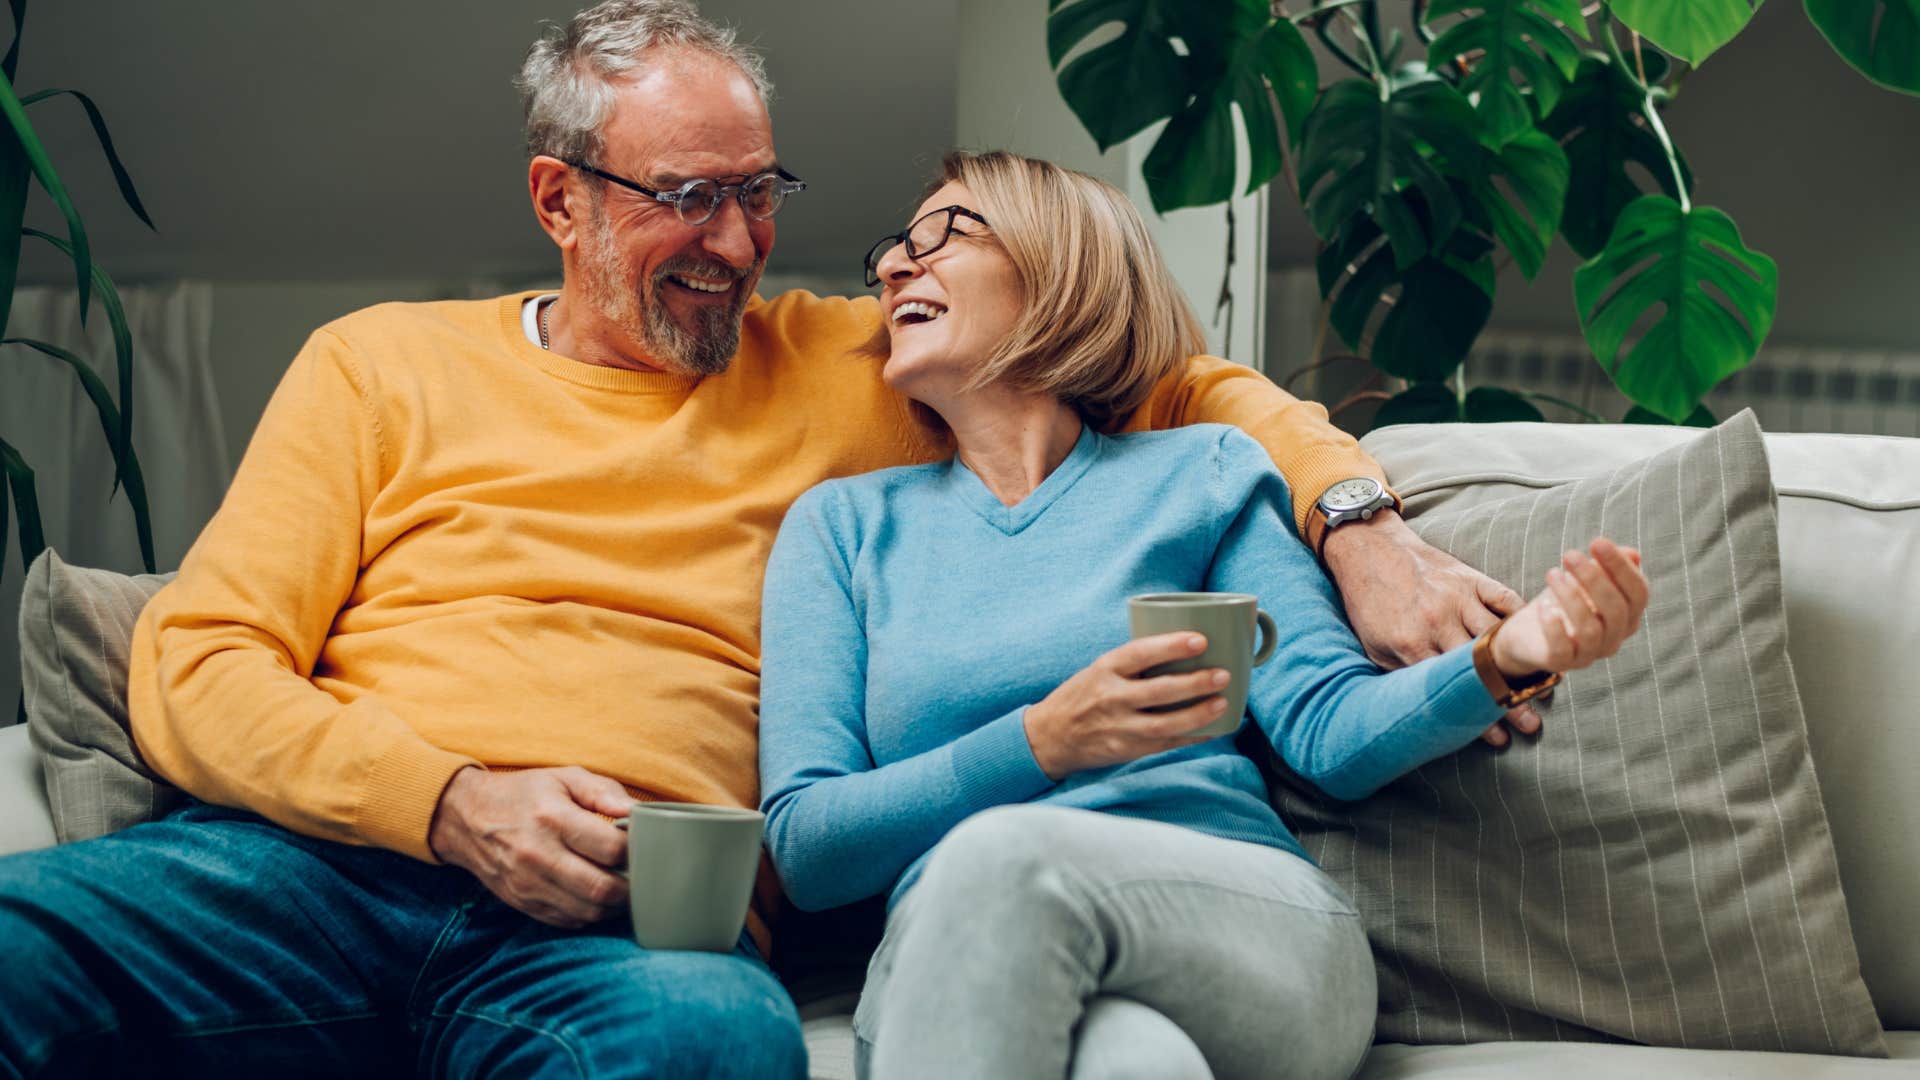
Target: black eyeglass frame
(905, 236)
(789, 184)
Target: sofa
(1846, 731)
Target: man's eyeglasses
(924, 237)
(761, 195)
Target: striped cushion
(76, 626)
(1655, 868)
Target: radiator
(1790, 388)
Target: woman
(1074, 882)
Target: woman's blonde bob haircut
(1101, 322)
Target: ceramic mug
(690, 873)
(1229, 621)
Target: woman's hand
(1099, 718)
(1591, 605)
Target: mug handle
(1269, 638)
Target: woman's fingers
(1623, 566)
(1140, 654)
(1609, 603)
(1168, 689)
(1176, 728)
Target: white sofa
(1850, 549)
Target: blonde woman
(950, 708)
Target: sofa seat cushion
(1574, 1061)
(829, 1038)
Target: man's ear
(555, 201)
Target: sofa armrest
(25, 821)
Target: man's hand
(1408, 600)
(536, 839)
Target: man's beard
(707, 347)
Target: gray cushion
(76, 626)
(1656, 868)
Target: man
(490, 572)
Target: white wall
(1007, 99)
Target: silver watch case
(1355, 499)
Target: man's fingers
(1140, 654)
(600, 794)
(1524, 720)
(1499, 599)
(1496, 736)
(594, 838)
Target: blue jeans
(216, 943)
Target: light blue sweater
(910, 618)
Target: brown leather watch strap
(1506, 694)
(1317, 532)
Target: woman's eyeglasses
(924, 237)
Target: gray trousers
(1056, 943)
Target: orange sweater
(447, 547)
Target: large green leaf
(122, 346)
(1423, 403)
(1524, 211)
(1689, 29)
(1600, 125)
(29, 142)
(1433, 310)
(1493, 405)
(1880, 38)
(1233, 53)
(19, 479)
(126, 463)
(1514, 38)
(1121, 87)
(1364, 154)
(1661, 256)
(12, 60)
(99, 122)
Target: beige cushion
(1849, 510)
(1657, 867)
(1531, 1061)
(76, 626)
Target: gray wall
(374, 140)
(1817, 166)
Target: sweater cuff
(1309, 474)
(402, 790)
(1458, 699)
(994, 765)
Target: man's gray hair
(565, 83)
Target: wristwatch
(1349, 500)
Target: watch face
(1350, 495)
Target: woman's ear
(552, 199)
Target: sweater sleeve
(1309, 451)
(840, 828)
(1334, 717)
(219, 687)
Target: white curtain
(46, 415)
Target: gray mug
(690, 873)
(1229, 621)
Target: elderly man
(489, 573)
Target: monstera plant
(24, 161)
(1435, 162)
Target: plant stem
(1649, 108)
(1326, 38)
(1420, 22)
(1323, 9)
(1377, 70)
(1565, 404)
